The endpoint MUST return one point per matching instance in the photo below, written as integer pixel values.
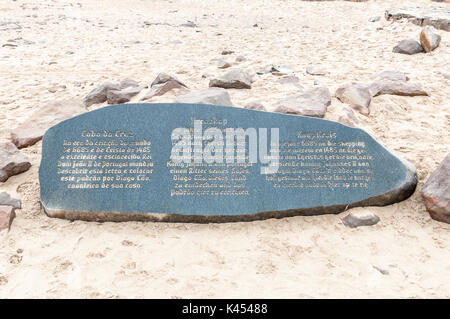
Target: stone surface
(99, 94)
(436, 192)
(12, 162)
(128, 83)
(379, 87)
(316, 70)
(222, 64)
(408, 46)
(164, 77)
(32, 130)
(354, 220)
(115, 164)
(7, 200)
(439, 17)
(233, 79)
(392, 75)
(429, 38)
(348, 117)
(161, 89)
(7, 214)
(357, 96)
(281, 70)
(255, 105)
(216, 96)
(122, 96)
(313, 102)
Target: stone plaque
(206, 163)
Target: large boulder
(357, 96)
(32, 130)
(313, 102)
(99, 94)
(12, 161)
(429, 38)
(234, 79)
(408, 46)
(436, 192)
(215, 96)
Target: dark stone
(12, 161)
(99, 95)
(436, 192)
(164, 77)
(115, 164)
(122, 96)
(7, 200)
(353, 220)
(227, 52)
(408, 46)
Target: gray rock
(408, 46)
(240, 58)
(189, 24)
(161, 89)
(7, 214)
(222, 64)
(122, 96)
(429, 38)
(316, 70)
(281, 70)
(227, 52)
(32, 130)
(392, 75)
(7, 200)
(379, 87)
(439, 17)
(313, 102)
(357, 96)
(436, 192)
(12, 162)
(128, 83)
(99, 94)
(164, 77)
(215, 96)
(353, 220)
(234, 79)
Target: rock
(98, 95)
(240, 58)
(392, 75)
(262, 72)
(316, 70)
(189, 24)
(438, 17)
(429, 38)
(357, 96)
(436, 192)
(348, 117)
(215, 96)
(32, 130)
(313, 102)
(374, 19)
(234, 79)
(161, 89)
(128, 83)
(408, 46)
(290, 79)
(7, 214)
(255, 105)
(7, 200)
(223, 64)
(12, 162)
(122, 96)
(227, 52)
(353, 220)
(396, 88)
(164, 77)
(281, 70)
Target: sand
(85, 42)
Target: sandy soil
(82, 43)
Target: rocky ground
(287, 52)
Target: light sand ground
(293, 257)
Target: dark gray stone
(7, 200)
(408, 46)
(99, 94)
(122, 96)
(164, 77)
(115, 164)
(436, 192)
(353, 220)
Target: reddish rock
(436, 192)
(32, 130)
(255, 105)
(392, 75)
(429, 38)
(313, 102)
(164, 77)
(12, 161)
(357, 96)
(396, 88)
(161, 89)
(349, 117)
(7, 214)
